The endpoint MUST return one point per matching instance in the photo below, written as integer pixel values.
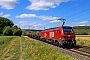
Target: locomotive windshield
(67, 29)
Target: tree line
(82, 30)
(7, 28)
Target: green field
(4, 41)
(24, 48)
(83, 40)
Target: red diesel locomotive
(62, 36)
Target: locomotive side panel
(49, 34)
(45, 34)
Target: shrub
(7, 31)
(17, 31)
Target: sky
(37, 14)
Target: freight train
(61, 36)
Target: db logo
(45, 35)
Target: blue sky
(37, 14)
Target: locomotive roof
(52, 28)
(55, 28)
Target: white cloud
(47, 17)
(8, 4)
(4, 15)
(82, 23)
(28, 25)
(22, 23)
(35, 16)
(54, 21)
(44, 4)
(26, 16)
(7, 15)
(1, 13)
(36, 25)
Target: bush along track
(24, 48)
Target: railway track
(84, 49)
(79, 52)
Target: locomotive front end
(68, 36)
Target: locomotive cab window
(67, 29)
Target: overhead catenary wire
(79, 5)
(75, 7)
(59, 9)
(78, 13)
(70, 9)
(86, 19)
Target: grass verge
(4, 41)
(38, 51)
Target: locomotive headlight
(60, 38)
(68, 35)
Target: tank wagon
(35, 35)
(61, 36)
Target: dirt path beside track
(21, 50)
